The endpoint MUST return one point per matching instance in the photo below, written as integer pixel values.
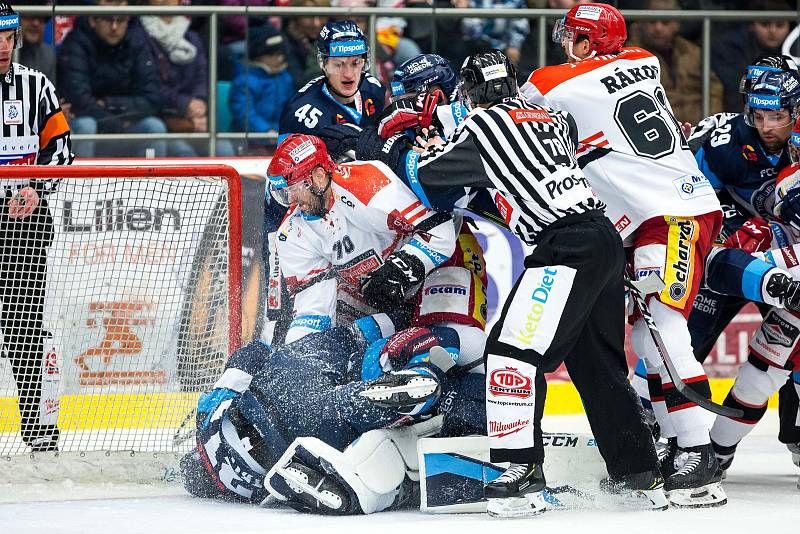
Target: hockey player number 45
(308, 115)
(648, 124)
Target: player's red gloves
(414, 110)
(403, 346)
(753, 236)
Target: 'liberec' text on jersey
(630, 144)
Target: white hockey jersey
(372, 214)
(631, 146)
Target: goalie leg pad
(370, 473)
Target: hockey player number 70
(653, 284)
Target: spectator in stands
(449, 36)
(737, 49)
(301, 42)
(554, 54)
(35, 53)
(183, 69)
(500, 34)
(681, 69)
(263, 85)
(234, 33)
(107, 74)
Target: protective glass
(562, 32)
(767, 118)
(285, 195)
(338, 65)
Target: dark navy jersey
(314, 107)
(730, 154)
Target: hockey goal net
(135, 314)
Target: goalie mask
(292, 165)
(772, 102)
(602, 24)
(9, 20)
(486, 78)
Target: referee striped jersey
(523, 155)
(34, 129)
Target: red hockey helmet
(602, 24)
(294, 160)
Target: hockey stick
(653, 284)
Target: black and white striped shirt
(34, 129)
(523, 155)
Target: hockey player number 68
(648, 124)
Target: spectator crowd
(149, 74)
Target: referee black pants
(23, 272)
(588, 337)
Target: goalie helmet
(773, 91)
(9, 20)
(486, 78)
(293, 162)
(421, 72)
(761, 65)
(342, 38)
(602, 24)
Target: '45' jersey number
(308, 115)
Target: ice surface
(761, 489)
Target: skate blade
(299, 484)
(417, 388)
(529, 505)
(638, 500)
(707, 496)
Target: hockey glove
(339, 138)
(386, 287)
(790, 207)
(411, 111)
(753, 236)
(409, 346)
(371, 147)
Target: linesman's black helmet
(487, 78)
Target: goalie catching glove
(386, 287)
(412, 111)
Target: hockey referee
(568, 304)
(34, 131)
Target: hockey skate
(637, 491)
(696, 483)
(794, 448)
(518, 492)
(310, 490)
(670, 457)
(410, 391)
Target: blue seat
(223, 111)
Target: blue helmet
(342, 38)
(763, 64)
(421, 72)
(773, 91)
(9, 20)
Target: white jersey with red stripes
(372, 214)
(630, 145)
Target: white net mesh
(111, 331)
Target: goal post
(134, 315)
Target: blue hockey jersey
(313, 107)
(730, 154)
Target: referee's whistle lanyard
(355, 113)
